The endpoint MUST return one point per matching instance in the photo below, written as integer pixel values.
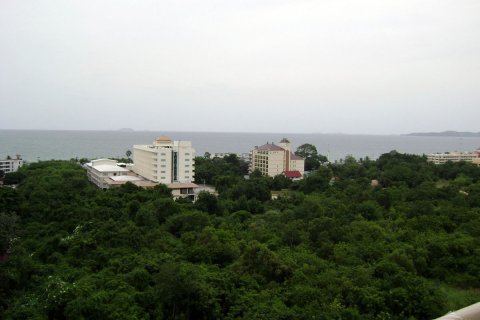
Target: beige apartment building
(271, 160)
(165, 161)
(441, 158)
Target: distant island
(126, 129)
(446, 134)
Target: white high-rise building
(165, 161)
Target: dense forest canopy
(332, 246)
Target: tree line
(332, 246)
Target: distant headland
(467, 134)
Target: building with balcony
(107, 173)
(165, 161)
(11, 165)
(271, 160)
(98, 171)
(183, 190)
(441, 158)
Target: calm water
(44, 145)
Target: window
(163, 178)
(162, 160)
(163, 166)
(186, 171)
(187, 165)
(187, 160)
(162, 171)
(187, 154)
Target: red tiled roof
(292, 174)
(270, 147)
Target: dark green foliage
(8, 228)
(326, 249)
(208, 170)
(207, 202)
(309, 152)
(13, 178)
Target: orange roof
(292, 174)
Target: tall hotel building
(165, 161)
(271, 160)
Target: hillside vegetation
(326, 249)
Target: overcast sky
(327, 66)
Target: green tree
(309, 152)
(207, 202)
(13, 178)
(8, 227)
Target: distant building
(11, 165)
(243, 156)
(441, 158)
(107, 173)
(271, 160)
(99, 170)
(165, 161)
(183, 190)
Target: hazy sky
(368, 66)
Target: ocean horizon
(34, 145)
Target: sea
(38, 145)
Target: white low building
(11, 165)
(441, 158)
(100, 170)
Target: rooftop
(108, 168)
(292, 174)
(270, 147)
(179, 185)
(126, 178)
(162, 140)
(293, 156)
